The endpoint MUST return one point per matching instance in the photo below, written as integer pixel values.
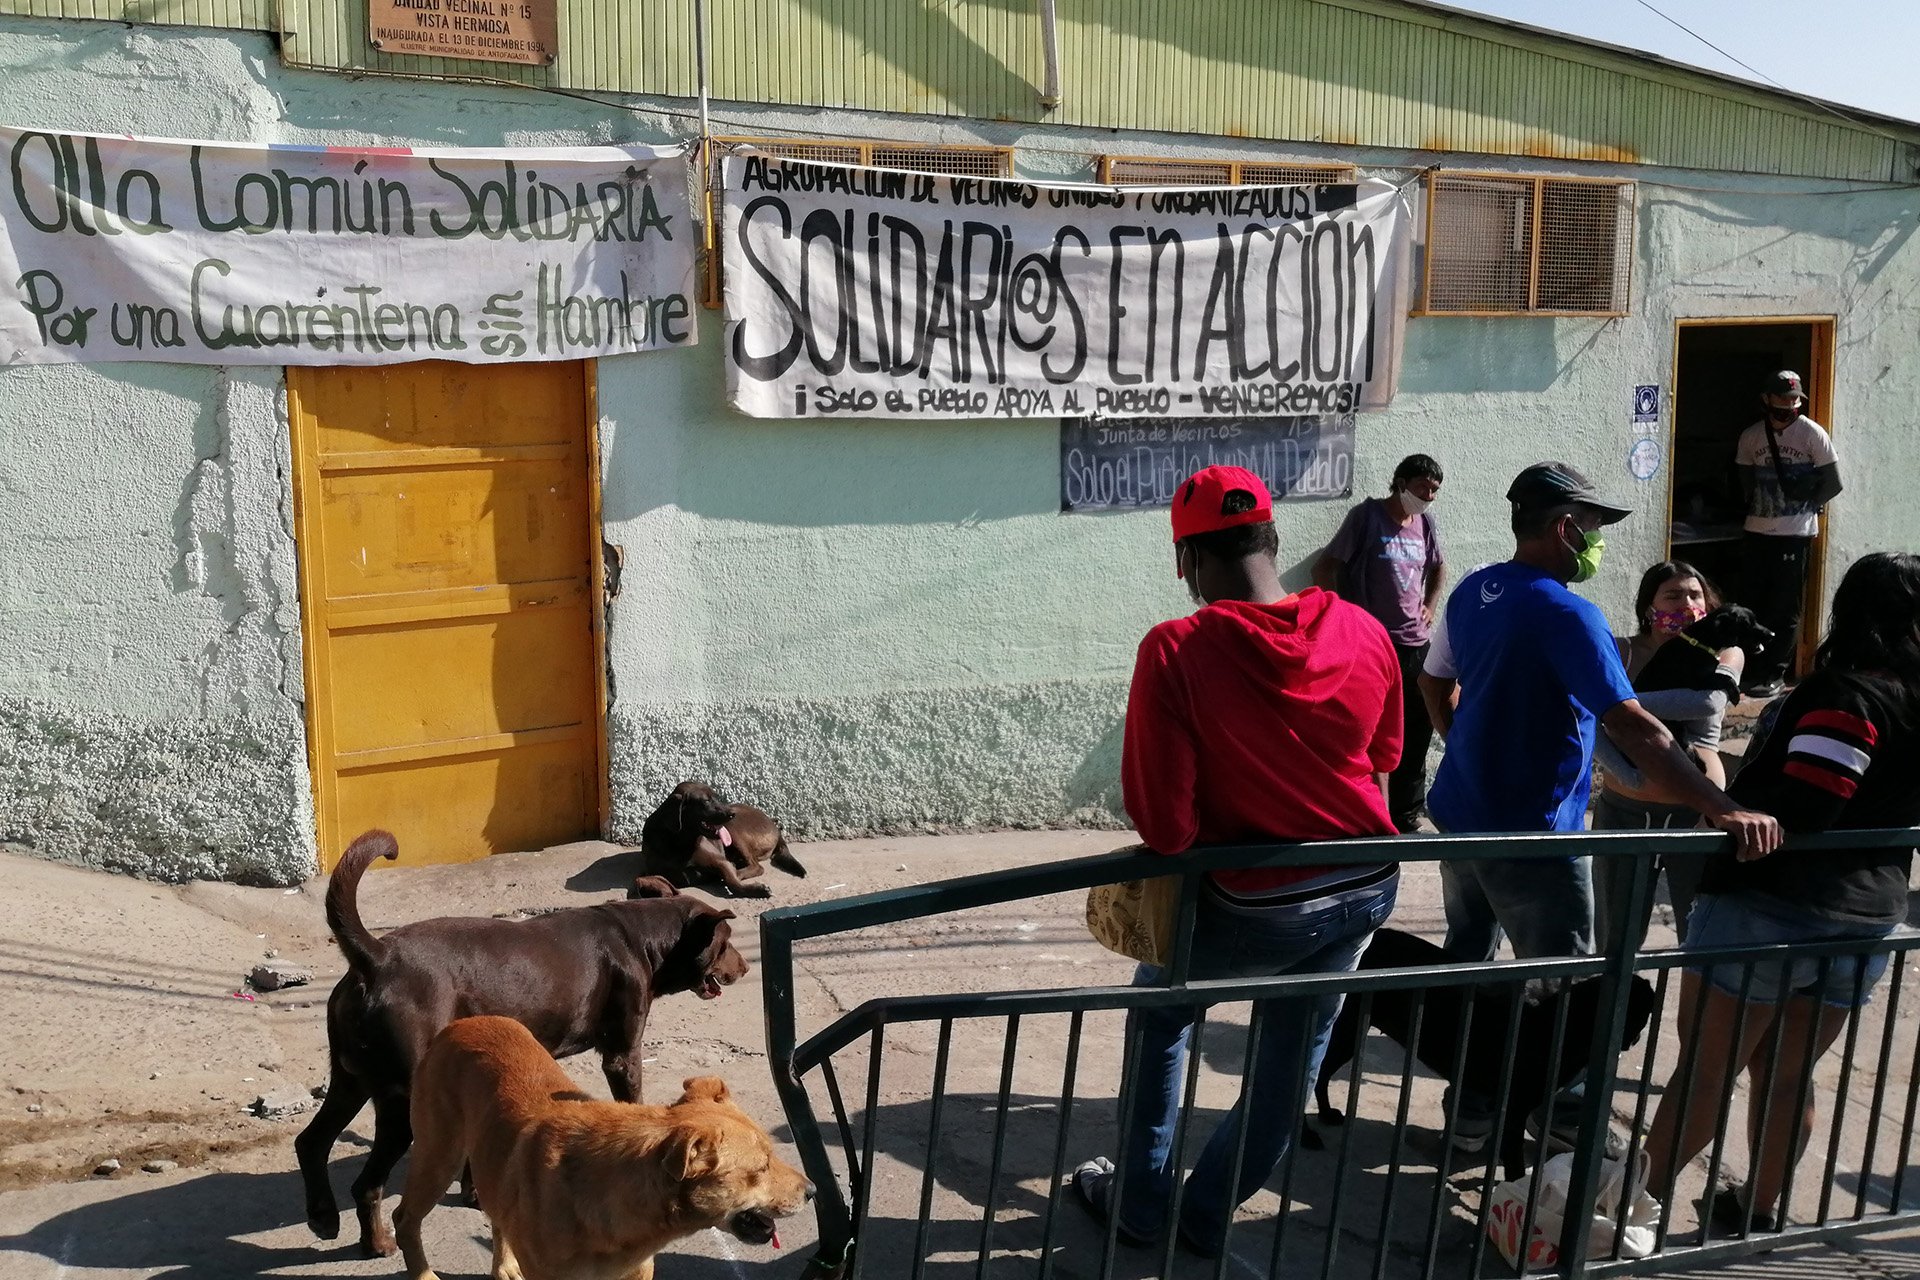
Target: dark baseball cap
(1555, 484)
(1785, 383)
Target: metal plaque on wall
(523, 31)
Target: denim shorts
(1754, 920)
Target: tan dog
(578, 1189)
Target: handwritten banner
(1121, 464)
(211, 253)
(874, 293)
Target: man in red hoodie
(1262, 716)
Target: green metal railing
(843, 1196)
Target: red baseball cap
(1200, 505)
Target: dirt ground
(132, 1035)
(126, 1035)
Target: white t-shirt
(1804, 445)
(1439, 663)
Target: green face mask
(1586, 559)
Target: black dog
(696, 837)
(1493, 1008)
(1693, 660)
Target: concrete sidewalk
(124, 1037)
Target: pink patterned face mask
(1674, 621)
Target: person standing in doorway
(1386, 558)
(1788, 472)
(1535, 672)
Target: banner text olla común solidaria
(115, 248)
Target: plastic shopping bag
(1622, 1211)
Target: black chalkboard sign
(1117, 464)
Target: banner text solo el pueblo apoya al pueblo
(876, 293)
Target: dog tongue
(726, 838)
(776, 1237)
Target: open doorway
(1720, 368)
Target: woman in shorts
(1843, 753)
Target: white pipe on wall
(1050, 45)
(700, 63)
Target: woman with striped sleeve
(1844, 752)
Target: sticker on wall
(1643, 459)
(1646, 403)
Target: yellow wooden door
(444, 519)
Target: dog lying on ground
(1441, 1024)
(696, 837)
(1693, 661)
(582, 978)
(576, 1188)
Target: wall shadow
(1480, 354)
(925, 44)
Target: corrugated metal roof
(1380, 73)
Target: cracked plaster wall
(862, 625)
(150, 715)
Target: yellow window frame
(1539, 184)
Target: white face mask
(1413, 502)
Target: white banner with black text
(863, 292)
(116, 248)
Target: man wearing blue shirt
(1535, 671)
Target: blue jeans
(1756, 920)
(1325, 935)
(1545, 908)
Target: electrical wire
(1753, 70)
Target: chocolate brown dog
(579, 979)
(696, 838)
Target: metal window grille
(1586, 246)
(1140, 171)
(1500, 245)
(961, 162)
(956, 161)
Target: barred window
(1147, 171)
(1505, 245)
(957, 161)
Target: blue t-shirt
(1538, 668)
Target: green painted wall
(862, 626)
(1373, 73)
(1345, 72)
